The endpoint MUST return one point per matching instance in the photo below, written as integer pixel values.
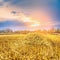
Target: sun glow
(27, 19)
(35, 25)
(31, 22)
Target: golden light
(35, 25)
(27, 19)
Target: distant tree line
(6, 31)
(53, 30)
(9, 31)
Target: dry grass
(32, 46)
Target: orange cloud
(36, 19)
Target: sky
(29, 14)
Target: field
(31, 46)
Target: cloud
(12, 14)
(5, 13)
(33, 13)
(10, 23)
(33, 20)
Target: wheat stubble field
(31, 46)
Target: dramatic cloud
(34, 14)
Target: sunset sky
(29, 14)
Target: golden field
(31, 46)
